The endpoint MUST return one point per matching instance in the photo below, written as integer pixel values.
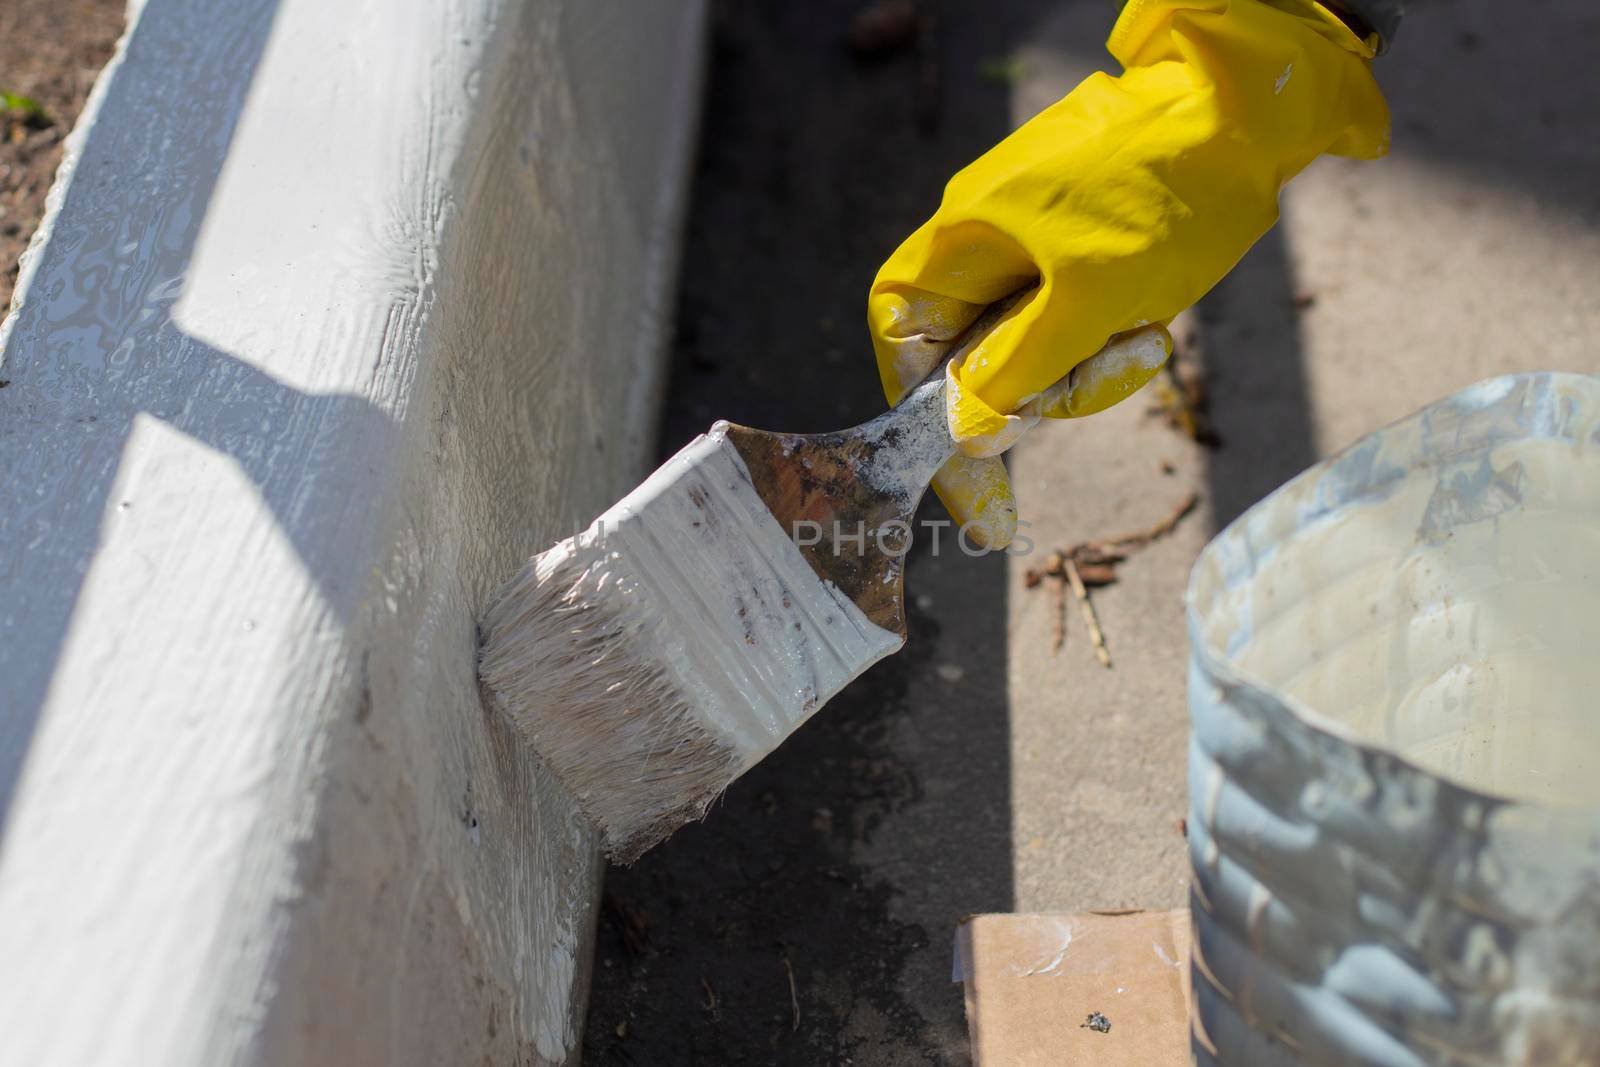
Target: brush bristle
(574, 632)
(656, 656)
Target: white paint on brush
(656, 656)
(747, 627)
(306, 361)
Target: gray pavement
(983, 770)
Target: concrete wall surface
(339, 312)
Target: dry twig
(711, 996)
(1140, 538)
(794, 997)
(1092, 564)
(1096, 638)
(1059, 636)
(1181, 398)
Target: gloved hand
(1124, 203)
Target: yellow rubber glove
(1124, 202)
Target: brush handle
(847, 498)
(914, 436)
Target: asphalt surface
(809, 919)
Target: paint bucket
(1395, 763)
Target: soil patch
(51, 51)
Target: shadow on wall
(845, 859)
(95, 348)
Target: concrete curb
(336, 316)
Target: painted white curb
(340, 311)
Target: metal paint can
(1394, 772)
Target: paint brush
(653, 658)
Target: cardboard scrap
(1102, 988)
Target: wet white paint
(1469, 646)
(654, 657)
(311, 353)
(754, 638)
(1474, 655)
